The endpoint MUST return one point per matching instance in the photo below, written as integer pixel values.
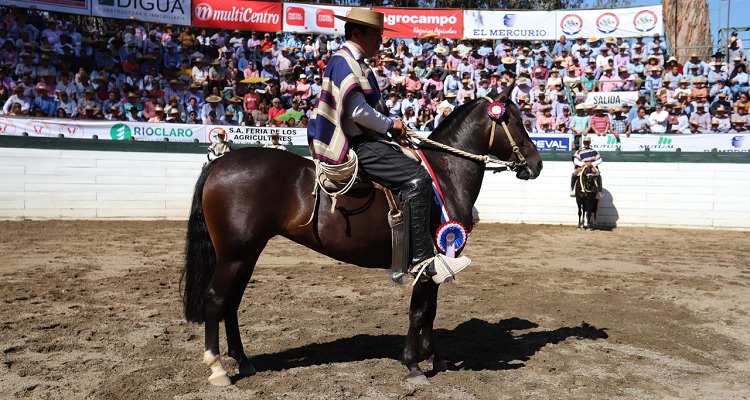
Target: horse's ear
(504, 96)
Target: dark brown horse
(588, 205)
(230, 224)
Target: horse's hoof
(247, 369)
(219, 380)
(417, 378)
(580, 229)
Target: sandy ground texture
(92, 310)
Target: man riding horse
(583, 157)
(346, 117)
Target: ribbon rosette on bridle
(495, 110)
(451, 233)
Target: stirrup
(445, 267)
(599, 195)
(572, 193)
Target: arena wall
(80, 184)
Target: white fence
(66, 184)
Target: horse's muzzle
(526, 172)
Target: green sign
(120, 132)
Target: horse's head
(511, 142)
(588, 178)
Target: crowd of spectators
(49, 67)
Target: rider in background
(586, 157)
(220, 147)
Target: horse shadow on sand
(474, 345)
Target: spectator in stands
(641, 124)
(600, 123)
(18, 97)
(658, 119)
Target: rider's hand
(399, 129)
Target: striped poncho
(344, 75)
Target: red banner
(237, 14)
(416, 22)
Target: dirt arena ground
(92, 310)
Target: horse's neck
(460, 180)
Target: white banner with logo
(724, 143)
(144, 131)
(516, 25)
(66, 6)
(162, 11)
(611, 98)
(311, 18)
(617, 22)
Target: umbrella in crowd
(255, 79)
(290, 115)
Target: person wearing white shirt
(658, 119)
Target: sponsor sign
(611, 98)
(545, 142)
(262, 135)
(82, 7)
(144, 131)
(8, 127)
(516, 25)
(311, 18)
(417, 22)
(238, 14)
(73, 131)
(38, 128)
(163, 11)
(617, 22)
(724, 143)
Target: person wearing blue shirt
(43, 102)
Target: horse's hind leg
(216, 297)
(421, 315)
(232, 304)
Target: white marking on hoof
(218, 373)
(419, 380)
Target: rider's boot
(573, 185)
(599, 194)
(416, 196)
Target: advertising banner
(163, 11)
(311, 18)
(724, 143)
(617, 22)
(81, 7)
(417, 22)
(516, 25)
(546, 141)
(611, 98)
(144, 131)
(237, 14)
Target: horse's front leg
(580, 217)
(420, 316)
(426, 344)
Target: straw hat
(440, 50)
(508, 60)
(587, 138)
(599, 108)
(213, 99)
(220, 132)
(365, 16)
(451, 95)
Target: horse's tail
(200, 258)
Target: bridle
(476, 157)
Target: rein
(476, 157)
